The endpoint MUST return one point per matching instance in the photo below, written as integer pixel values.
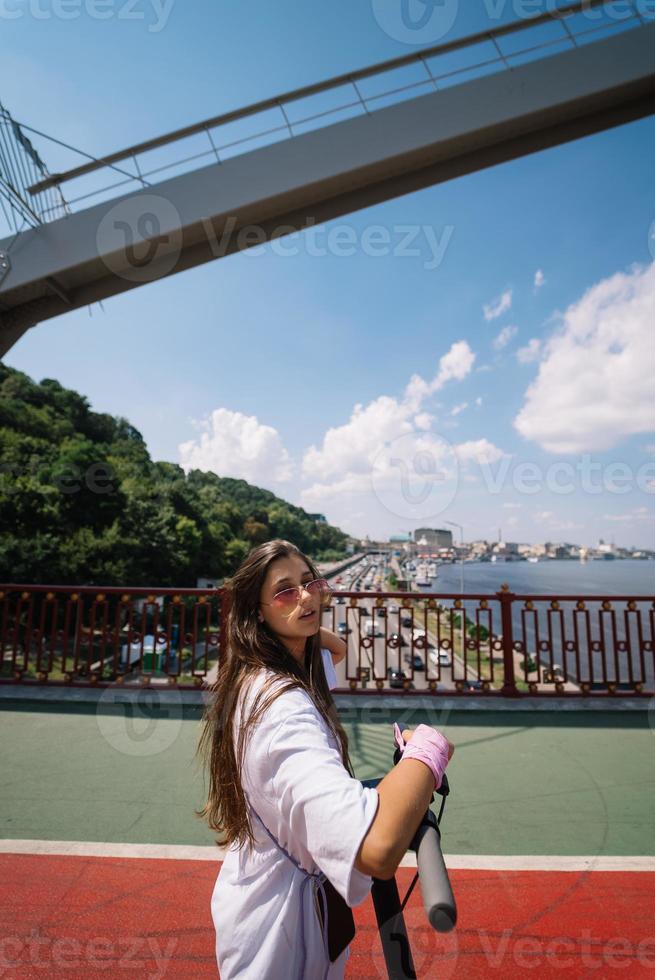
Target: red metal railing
(410, 643)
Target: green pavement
(560, 783)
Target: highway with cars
(386, 641)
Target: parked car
(372, 629)
(380, 611)
(407, 621)
(398, 639)
(396, 677)
(393, 608)
(343, 628)
(364, 611)
(339, 599)
(415, 660)
(472, 685)
(441, 658)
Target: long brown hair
(251, 647)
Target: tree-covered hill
(81, 502)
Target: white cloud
(539, 279)
(458, 409)
(636, 514)
(237, 445)
(363, 465)
(453, 366)
(504, 337)
(497, 306)
(478, 451)
(378, 489)
(423, 420)
(511, 505)
(551, 522)
(350, 448)
(478, 401)
(557, 525)
(529, 353)
(595, 381)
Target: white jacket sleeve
(326, 810)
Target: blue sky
(531, 336)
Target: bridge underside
(309, 179)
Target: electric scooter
(432, 874)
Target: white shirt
(294, 778)
(330, 672)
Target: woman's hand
(408, 732)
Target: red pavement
(81, 917)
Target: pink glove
(428, 746)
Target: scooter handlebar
(438, 898)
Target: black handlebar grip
(438, 897)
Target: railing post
(505, 598)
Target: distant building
(432, 538)
(320, 518)
(506, 548)
(401, 544)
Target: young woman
(303, 835)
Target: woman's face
(293, 622)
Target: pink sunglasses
(291, 597)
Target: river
(621, 577)
(625, 636)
